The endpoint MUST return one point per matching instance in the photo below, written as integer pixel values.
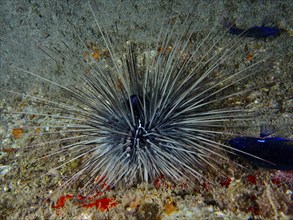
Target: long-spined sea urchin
(148, 117)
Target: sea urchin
(156, 112)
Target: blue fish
(257, 32)
(275, 152)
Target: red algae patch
(251, 179)
(102, 204)
(226, 182)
